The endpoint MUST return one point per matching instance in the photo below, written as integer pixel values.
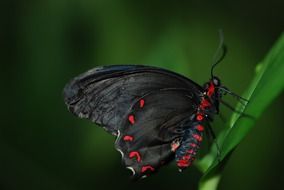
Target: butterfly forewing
(104, 95)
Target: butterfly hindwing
(104, 95)
(152, 124)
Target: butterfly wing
(105, 94)
(154, 122)
(143, 106)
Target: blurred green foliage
(46, 43)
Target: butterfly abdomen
(190, 144)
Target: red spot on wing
(174, 146)
(148, 167)
(199, 117)
(200, 128)
(142, 102)
(135, 154)
(128, 138)
(131, 119)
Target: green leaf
(266, 85)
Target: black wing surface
(104, 94)
(146, 135)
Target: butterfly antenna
(220, 52)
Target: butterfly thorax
(209, 104)
(190, 144)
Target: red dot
(199, 117)
(148, 167)
(128, 138)
(200, 128)
(204, 104)
(174, 146)
(197, 137)
(193, 145)
(131, 119)
(190, 151)
(186, 157)
(136, 155)
(183, 163)
(142, 102)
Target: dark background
(46, 43)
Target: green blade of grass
(267, 84)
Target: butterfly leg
(212, 137)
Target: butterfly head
(213, 93)
(216, 81)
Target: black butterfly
(156, 115)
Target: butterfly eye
(216, 81)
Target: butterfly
(156, 115)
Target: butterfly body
(156, 115)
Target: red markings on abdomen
(204, 104)
(193, 145)
(183, 163)
(187, 159)
(135, 154)
(188, 152)
(131, 119)
(199, 117)
(197, 137)
(199, 128)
